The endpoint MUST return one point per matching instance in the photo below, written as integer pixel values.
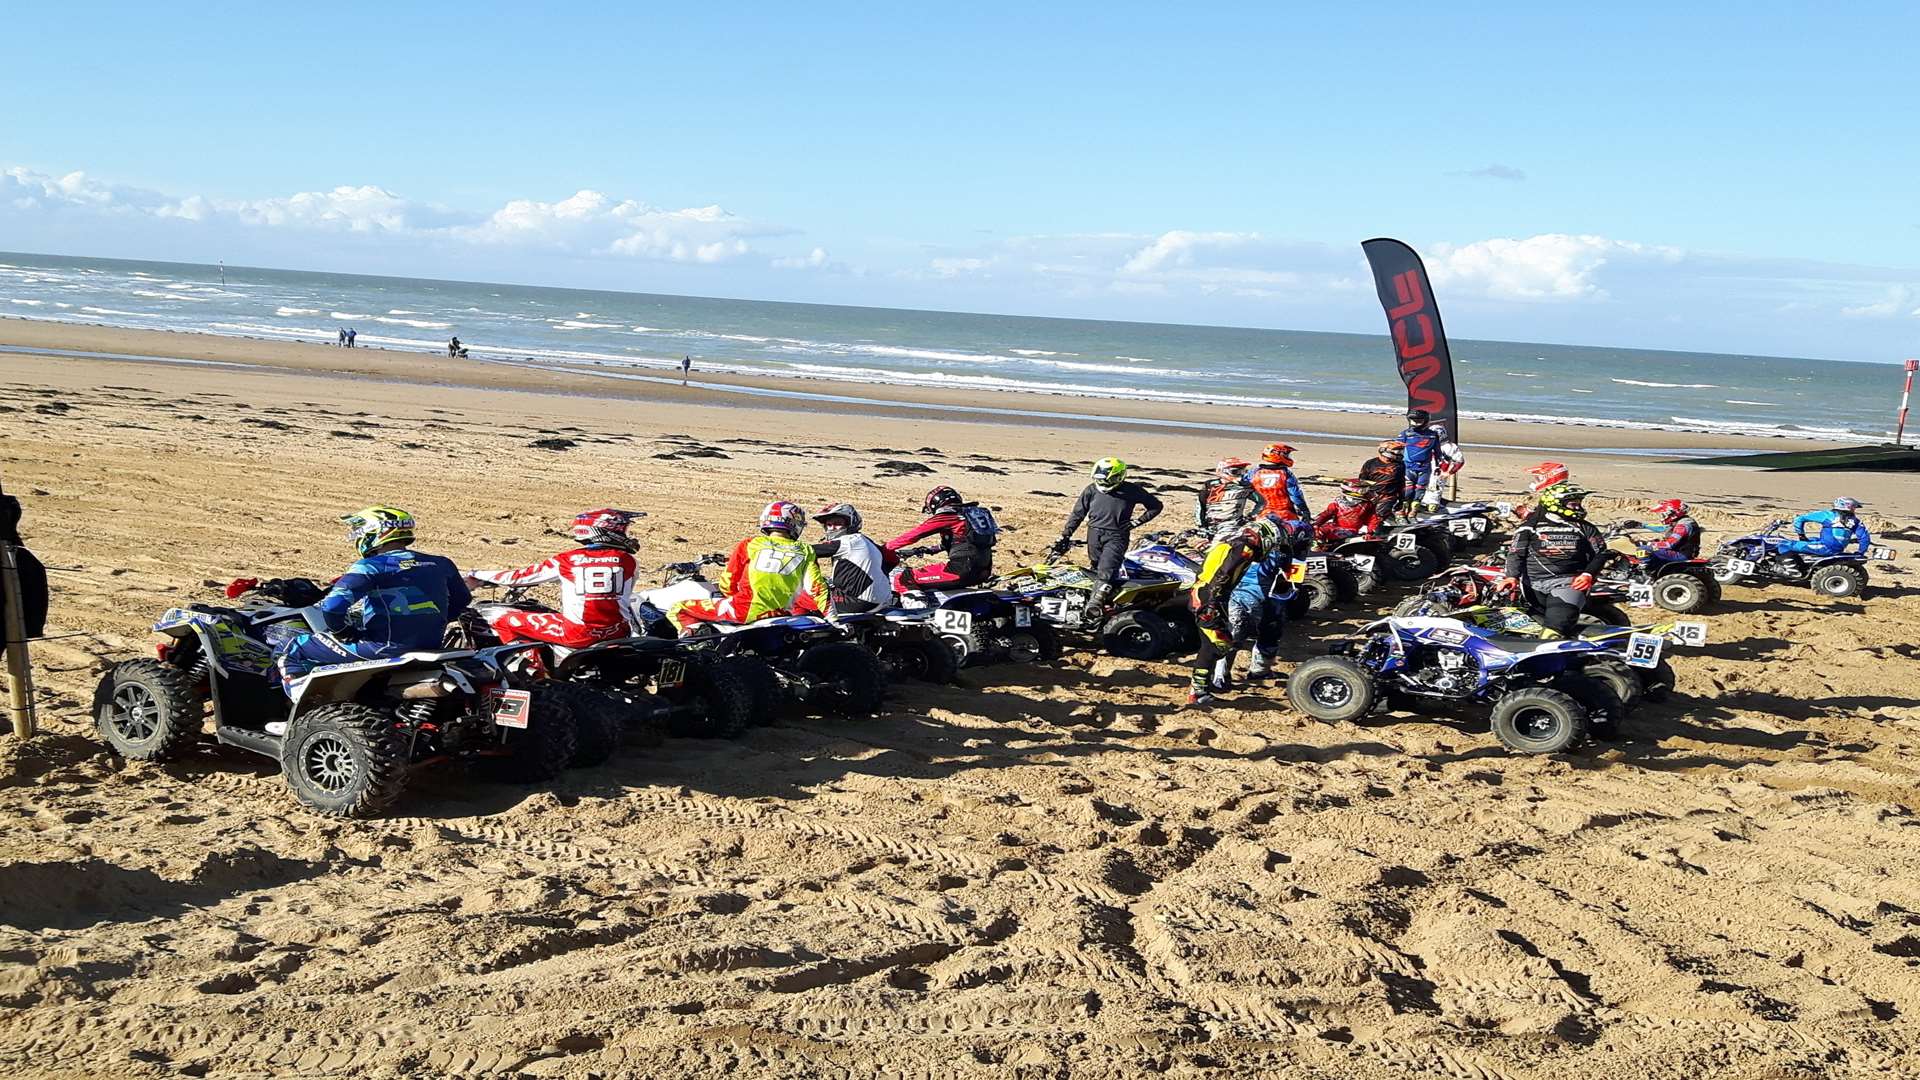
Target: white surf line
(82, 354)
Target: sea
(1076, 359)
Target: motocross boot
(1198, 696)
(1095, 614)
(1261, 669)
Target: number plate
(1690, 633)
(953, 621)
(1643, 650)
(1880, 554)
(1062, 608)
(1504, 507)
(1479, 525)
(1640, 594)
(1740, 567)
(1023, 616)
(673, 674)
(1405, 541)
(512, 708)
(1361, 563)
(1317, 565)
(1297, 572)
(1460, 527)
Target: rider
(1839, 527)
(392, 600)
(1384, 474)
(1226, 499)
(1274, 482)
(1349, 515)
(859, 580)
(967, 533)
(1554, 555)
(1227, 610)
(596, 586)
(1430, 455)
(1544, 475)
(769, 574)
(1106, 505)
(1682, 539)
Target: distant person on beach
(453, 347)
(686, 365)
(351, 334)
(343, 337)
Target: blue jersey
(397, 599)
(1422, 447)
(1836, 532)
(1261, 580)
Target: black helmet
(1417, 417)
(941, 498)
(839, 511)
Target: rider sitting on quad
(859, 580)
(1278, 488)
(769, 574)
(596, 586)
(967, 533)
(1349, 515)
(1682, 539)
(1227, 613)
(392, 600)
(1839, 527)
(1545, 475)
(1554, 555)
(1226, 500)
(1383, 473)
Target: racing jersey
(966, 534)
(1111, 511)
(1220, 503)
(1280, 492)
(1837, 530)
(1547, 546)
(596, 588)
(772, 575)
(1682, 538)
(1341, 520)
(1220, 573)
(398, 598)
(859, 570)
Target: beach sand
(1042, 871)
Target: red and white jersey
(596, 588)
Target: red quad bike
(1679, 585)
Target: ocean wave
(151, 295)
(1036, 352)
(1524, 374)
(404, 311)
(1778, 431)
(1122, 369)
(289, 312)
(1137, 359)
(421, 324)
(28, 303)
(346, 315)
(1767, 404)
(574, 324)
(117, 311)
(1668, 385)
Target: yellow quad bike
(1145, 618)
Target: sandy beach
(1040, 871)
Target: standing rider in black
(1554, 555)
(1107, 507)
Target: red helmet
(1232, 468)
(783, 517)
(606, 527)
(941, 498)
(1546, 474)
(1671, 510)
(1277, 454)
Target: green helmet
(1565, 499)
(1270, 529)
(1108, 472)
(377, 526)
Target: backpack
(982, 529)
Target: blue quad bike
(351, 734)
(1546, 696)
(1756, 559)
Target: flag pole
(1900, 430)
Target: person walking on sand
(351, 334)
(453, 347)
(686, 365)
(342, 343)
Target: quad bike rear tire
(1138, 635)
(1320, 593)
(1331, 688)
(1838, 581)
(1036, 644)
(598, 722)
(1366, 583)
(930, 659)
(721, 699)
(344, 760)
(147, 710)
(1606, 613)
(1413, 607)
(1418, 564)
(1538, 720)
(1656, 683)
(1681, 593)
(540, 751)
(1180, 621)
(860, 681)
(1607, 692)
(1346, 583)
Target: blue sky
(1729, 178)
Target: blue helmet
(1846, 505)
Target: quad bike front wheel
(1840, 581)
(1036, 644)
(1681, 593)
(1138, 635)
(147, 710)
(1331, 688)
(344, 760)
(929, 659)
(722, 699)
(1538, 720)
(597, 721)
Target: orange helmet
(1546, 474)
(1232, 468)
(1277, 454)
(1392, 448)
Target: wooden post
(19, 671)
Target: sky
(1724, 178)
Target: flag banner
(1419, 342)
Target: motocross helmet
(1354, 490)
(783, 517)
(841, 512)
(1546, 474)
(1847, 506)
(1277, 454)
(941, 498)
(1108, 472)
(1566, 500)
(1418, 418)
(1232, 468)
(378, 526)
(604, 528)
(1671, 510)
(1270, 530)
(1391, 450)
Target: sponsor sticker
(512, 708)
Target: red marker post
(1901, 429)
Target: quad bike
(984, 625)
(1641, 648)
(1416, 550)
(1756, 559)
(1356, 564)
(1683, 586)
(1144, 618)
(910, 642)
(1544, 695)
(1312, 580)
(802, 660)
(352, 733)
(1476, 583)
(646, 683)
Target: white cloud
(958, 267)
(1897, 300)
(1551, 266)
(812, 260)
(1180, 248)
(587, 222)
